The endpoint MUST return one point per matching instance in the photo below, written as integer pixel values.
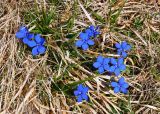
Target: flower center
(80, 93)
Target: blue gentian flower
(92, 31)
(81, 93)
(23, 32)
(102, 64)
(120, 86)
(37, 44)
(84, 41)
(28, 38)
(117, 66)
(122, 48)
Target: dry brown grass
(22, 91)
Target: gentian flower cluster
(122, 48)
(85, 37)
(111, 65)
(120, 86)
(116, 66)
(36, 42)
(81, 93)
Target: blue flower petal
(38, 38)
(41, 49)
(90, 42)
(85, 97)
(124, 54)
(20, 35)
(35, 51)
(124, 44)
(85, 46)
(116, 90)
(117, 72)
(23, 31)
(106, 67)
(100, 70)
(119, 51)
(84, 36)
(118, 45)
(113, 61)
(26, 40)
(122, 67)
(80, 87)
(89, 32)
(31, 43)
(128, 47)
(30, 36)
(76, 92)
(120, 61)
(106, 60)
(124, 90)
(121, 80)
(79, 98)
(42, 41)
(125, 85)
(79, 43)
(114, 84)
(91, 27)
(96, 64)
(100, 59)
(112, 68)
(85, 89)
